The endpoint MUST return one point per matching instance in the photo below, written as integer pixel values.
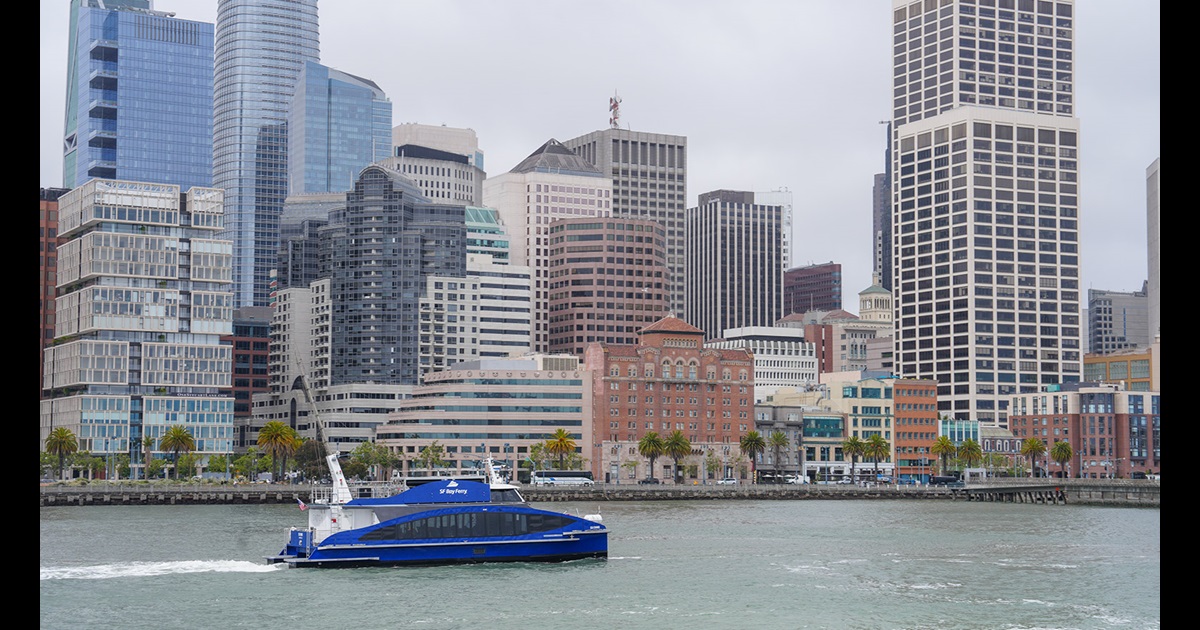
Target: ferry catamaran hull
(443, 522)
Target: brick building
(669, 381)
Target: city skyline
(750, 125)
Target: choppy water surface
(684, 564)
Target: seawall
(1115, 492)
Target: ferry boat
(444, 521)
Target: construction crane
(341, 491)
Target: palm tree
(275, 438)
(777, 440)
(1062, 453)
(61, 442)
(561, 444)
(677, 447)
(943, 448)
(1033, 448)
(148, 445)
(970, 451)
(877, 449)
(752, 444)
(853, 447)
(651, 446)
(178, 439)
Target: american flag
(302, 504)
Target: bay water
(738, 564)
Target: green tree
(538, 456)
(217, 463)
(47, 464)
(970, 451)
(371, 455)
(943, 448)
(753, 445)
(148, 443)
(431, 456)
(853, 447)
(277, 440)
(560, 445)
(154, 469)
(778, 440)
(676, 446)
(310, 459)
(177, 440)
(877, 449)
(712, 464)
(123, 467)
(186, 465)
(651, 446)
(1062, 453)
(1033, 448)
(60, 443)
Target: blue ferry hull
(461, 534)
(584, 546)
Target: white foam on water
(145, 569)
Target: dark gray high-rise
(377, 254)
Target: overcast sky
(770, 95)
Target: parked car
(797, 480)
(845, 480)
(907, 482)
(649, 481)
(728, 481)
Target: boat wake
(145, 569)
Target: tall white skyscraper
(985, 200)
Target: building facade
(1117, 320)
(498, 408)
(668, 382)
(648, 172)
(812, 288)
(139, 96)
(1136, 369)
(915, 408)
(251, 342)
(377, 257)
(737, 251)
(47, 268)
(985, 201)
(552, 183)
(442, 176)
(782, 358)
(1112, 431)
(337, 124)
(607, 280)
(261, 46)
(144, 297)
(461, 141)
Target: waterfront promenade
(1115, 492)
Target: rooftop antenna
(614, 106)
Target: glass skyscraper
(139, 96)
(261, 46)
(338, 124)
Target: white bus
(562, 478)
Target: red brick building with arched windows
(668, 382)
